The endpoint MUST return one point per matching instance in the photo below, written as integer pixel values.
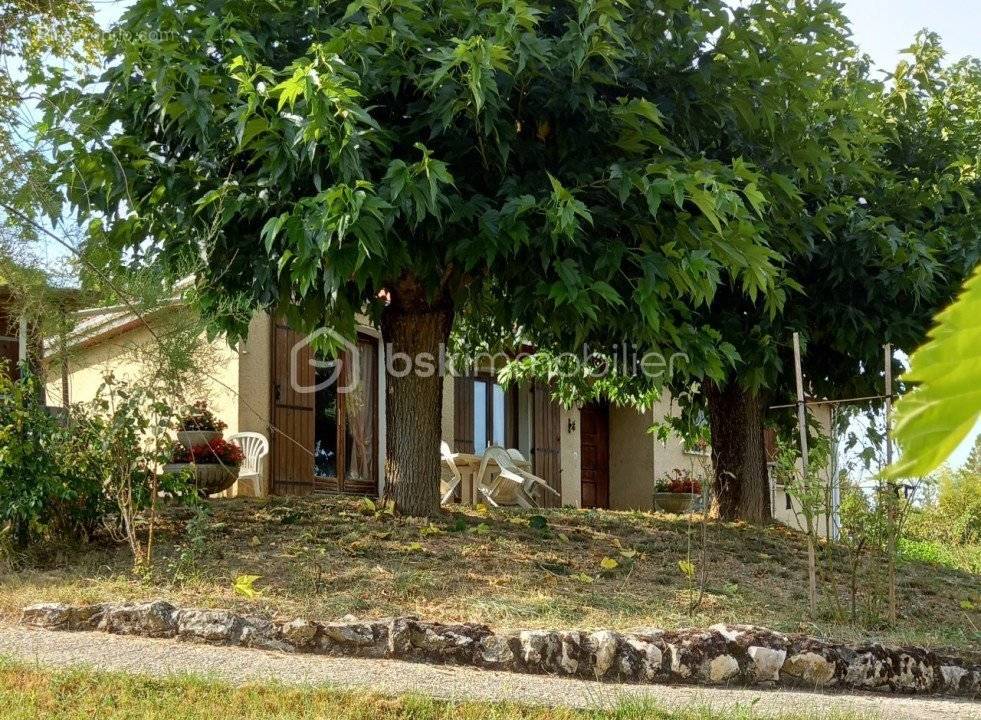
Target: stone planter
(677, 503)
(210, 479)
(192, 438)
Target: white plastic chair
(254, 446)
(524, 483)
(449, 485)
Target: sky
(882, 28)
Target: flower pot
(209, 478)
(193, 438)
(676, 503)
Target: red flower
(680, 482)
(218, 451)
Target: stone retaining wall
(719, 655)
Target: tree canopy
(687, 178)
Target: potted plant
(198, 425)
(675, 492)
(214, 464)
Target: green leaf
(538, 522)
(945, 406)
(244, 585)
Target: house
(22, 305)
(326, 421)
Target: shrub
(952, 514)
(45, 492)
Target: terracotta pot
(192, 438)
(209, 479)
(677, 503)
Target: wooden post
(890, 488)
(802, 427)
(63, 346)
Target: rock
(604, 646)
(352, 635)
(150, 619)
(952, 676)
(55, 616)
(691, 653)
(210, 626)
(720, 669)
(495, 652)
(576, 655)
(263, 634)
(301, 633)
(641, 658)
(765, 663)
(903, 669)
(540, 650)
(435, 642)
(809, 668)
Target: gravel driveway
(240, 665)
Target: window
(488, 414)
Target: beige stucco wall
(254, 384)
(794, 516)
(125, 356)
(631, 459)
(570, 461)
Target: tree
(33, 35)
(880, 228)
(528, 161)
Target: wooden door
(292, 432)
(594, 428)
(546, 442)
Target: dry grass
(27, 693)
(325, 558)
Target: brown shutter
(511, 417)
(292, 431)
(463, 414)
(546, 443)
(770, 444)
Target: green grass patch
(955, 557)
(28, 693)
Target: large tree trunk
(415, 329)
(742, 490)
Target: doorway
(594, 424)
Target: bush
(43, 495)
(953, 514)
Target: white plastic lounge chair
(524, 485)
(448, 485)
(254, 446)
